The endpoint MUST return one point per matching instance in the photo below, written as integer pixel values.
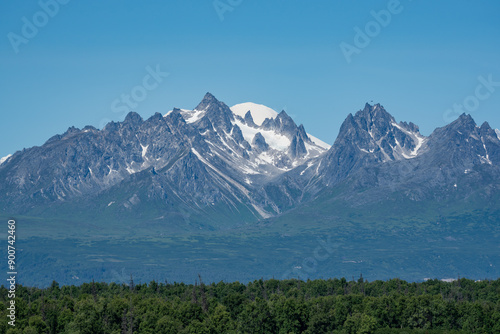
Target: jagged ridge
(212, 162)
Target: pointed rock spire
(249, 119)
(260, 142)
(297, 148)
(208, 99)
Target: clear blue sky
(285, 54)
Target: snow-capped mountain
(374, 157)
(258, 112)
(269, 143)
(374, 132)
(215, 166)
(371, 136)
(193, 160)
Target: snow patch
(248, 170)
(144, 150)
(2, 160)
(170, 111)
(487, 156)
(498, 133)
(420, 142)
(190, 116)
(266, 158)
(416, 138)
(274, 140)
(111, 171)
(363, 150)
(319, 142)
(309, 164)
(259, 112)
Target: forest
(261, 306)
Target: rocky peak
(238, 135)
(89, 128)
(133, 118)
(462, 144)
(216, 111)
(249, 119)
(464, 123)
(374, 119)
(373, 131)
(260, 142)
(297, 148)
(301, 133)
(282, 124)
(410, 126)
(157, 117)
(175, 118)
(486, 131)
(70, 132)
(208, 99)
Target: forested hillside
(271, 306)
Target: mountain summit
(224, 166)
(195, 160)
(258, 112)
(235, 191)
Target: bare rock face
(225, 169)
(199, 159)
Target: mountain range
(216, 168)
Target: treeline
(262, 306)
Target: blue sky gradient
(284, 54)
